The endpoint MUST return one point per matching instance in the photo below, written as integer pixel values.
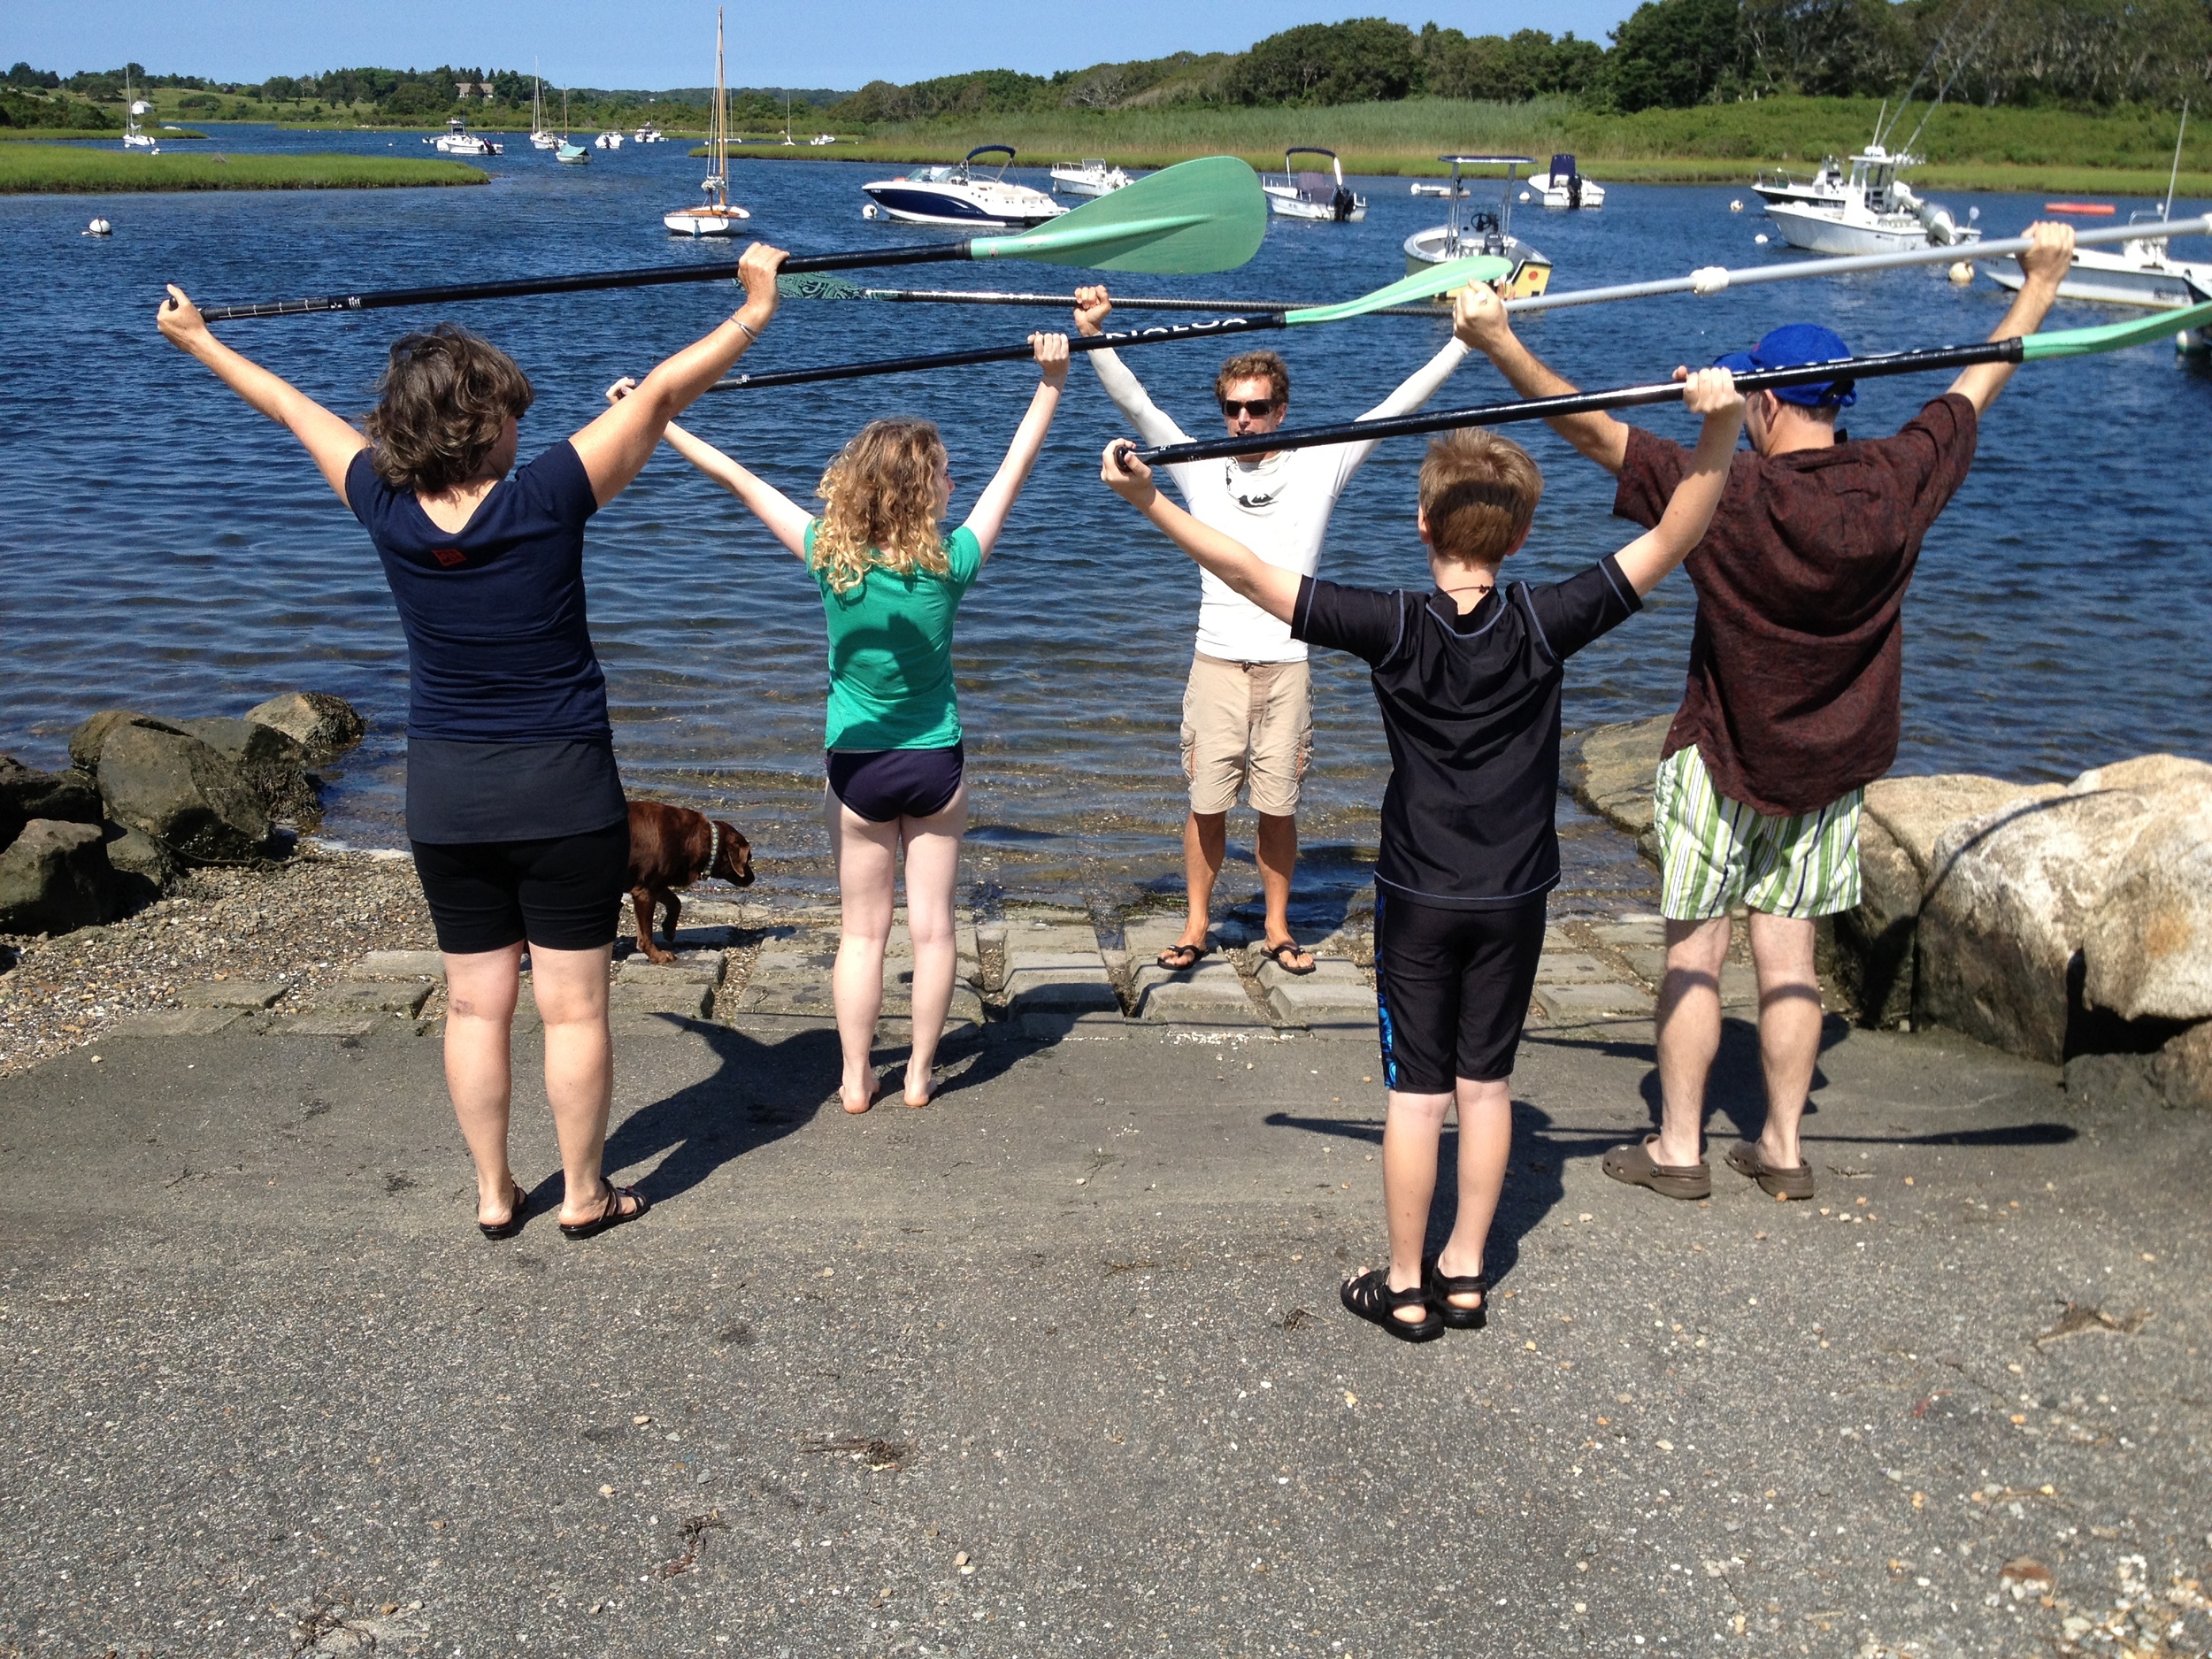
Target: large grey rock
(181, 792)
(2148, 950)
(89, 738)
(26, 792)
(272, 764)
(324, 725)
(2177, 1074)
(2010, 898)
(55, 877)
(1915, 812)
(1617, 765)
(143, 867)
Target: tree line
(1671, 54)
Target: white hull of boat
(1554, 191)
(545, 141)
(464, 145)
(1093, 178)
(705, 221)
(649, 136)
(1426, 248)
(1827, 230)
(1285, 203)
(913, 203)
(608, 141)
(141, 140)
(2109, 279)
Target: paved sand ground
(1058, 1365)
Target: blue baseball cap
(1787, 348)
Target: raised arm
(328, 440)
(997, 500)
(1711, 392)
(2044, 267)
(1479, 320)
(1093, 307)
(1270, 587)
(615, 448)
(786, 519)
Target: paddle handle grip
(2008, 350)
(1163, 334)
(584, 282)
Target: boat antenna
(2167, 211)
(1879, 116)
(1964, 58)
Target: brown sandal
(1633, 1165)
(1744, 1158)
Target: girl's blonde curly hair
(880, 505)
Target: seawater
(162, 548)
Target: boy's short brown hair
(442, 404)
(1252, 365)
(1478, 492)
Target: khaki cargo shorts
(1247, 723)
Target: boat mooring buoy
(99, 227)
(1761, 239)
(868, 211)
(1736, 206)
(1524, 196)
(1962, 273)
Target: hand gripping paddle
(1198, 216)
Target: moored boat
(717, 215)
(540, 139)
(568, 153)
(1089, 177)
(1876, 213)
(1311, 195)
(607, 140)
(963, 194)
(649, 134)
(1565, 187)
(1824, 188)
(1472, 229)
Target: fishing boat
(134, 137)
(717, 215)
(963, 194)
(1878, 213)
(822, 141)
(1472, 229)
(540, 139)
(649, 134)
(1089, 177)
(607, 140)
(2141, 272)
(1433, 189)
(458, 141)
(568, 153)
(1564, 187)
(1310, 195)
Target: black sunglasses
(1259, 408)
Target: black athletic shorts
(886, 785)
(1452, 988)
(564, 894)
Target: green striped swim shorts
(1716, 854)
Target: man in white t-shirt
(1248, 710)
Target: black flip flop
(1296, 950)
(1371, 1298)
(613, 1216)
(499, 1230)
(1196, 953)
(1441, 1287)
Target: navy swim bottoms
(883, 786)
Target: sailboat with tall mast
(134, 137)
(717, 215)
(539, 138)
(569, 153)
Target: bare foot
(929, 1091)
(845, 1096)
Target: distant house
(465, 90)
(141, 107)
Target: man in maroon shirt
(1792, 705)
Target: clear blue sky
(649, 43)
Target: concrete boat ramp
(1056, 1364)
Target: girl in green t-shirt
(891, 581)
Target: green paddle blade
(1196, 216)
(1443, 278)
(2078, 342)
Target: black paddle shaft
(643, 276)
(1159, 335)
(2007, 350)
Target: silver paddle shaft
(1715, 279)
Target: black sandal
(1441, 1288)
(507, 1229)
(613, 1216)
(1371, 1298)
(1194, 955)
(1295, 949)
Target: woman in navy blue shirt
(515, 809)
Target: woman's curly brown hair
(879, 504)
(442, 402)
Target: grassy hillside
(54, 170)
(1992, 149)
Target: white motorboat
(1564, 187)
(963, 194)
(822, 141)
(607, 140)
(1433, 189)
(649, 134)
(458, 141)
(1311, 195)
(717, 215)
(1824, 188)
(540, 139)
(1089, 177)
(1471, 230)
(1878, 213)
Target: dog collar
(714, 848)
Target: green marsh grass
(58, 170)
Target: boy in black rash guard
(1468, 679)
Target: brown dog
(672, 846)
